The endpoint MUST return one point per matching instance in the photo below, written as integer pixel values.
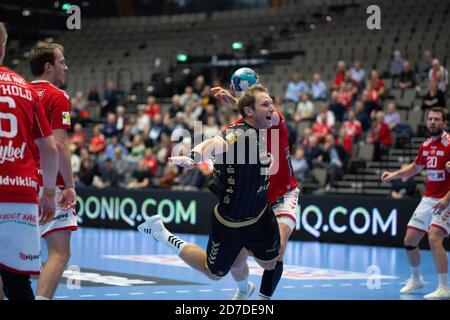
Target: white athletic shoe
(153, 226)
(243, 296)
(441, 293)
(412, 285)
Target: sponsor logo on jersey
(436, 175)
(440, 153)
(31, 257)
(425, 153)
(11, 153)
(66, 118)
(231, 138)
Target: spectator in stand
(199, 85)
(377, 83)
(209, 111)
(334, 159)
(188, 96)
(439, 75)
(108, 177)
(341, 67)
(150, 161)
(124, 166)
(393, 121)
(312, 150)
(362, 116)
(141, 177)
(142, 121)
(358, 75)
(190, 116)
(407, 79)
(305, 109)
(94, 102)
(337, 107)
(152, 108)
(121, 119)
(97, 143)
(138, 147)
(370, 99)
(380, 136)
(109, 128)
(299, 164)
(331, 120)
(211, 129)
(78, 113)
(345, 141)
(396, 67)
(190, 180)
(109, 103)
(433, 98)
(427, 64)
(111, 147)
(345, 95)
(353, 128)
(175, 106)
(126, 138)
(403, 188)
(318, 89)
(296, 87)
(88, 170)
(78, 138)
(351, 85)
(320, 127)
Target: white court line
(183, 291)
(346, 284)
(308, 286)
(228, 289)
(204, 290)
(62, 297)
(385, 283)
(326, 285)
(86, 295)
(160, 292)
(135, 293)
(111, 294)
(288, 287)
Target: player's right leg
(190, 253)
(417, 228)
(239, 271)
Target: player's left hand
(447, 166)
(68, 198)
(224, 96)
(441, 205)
(182, 161)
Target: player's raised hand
(224, 96)
(182, 161)
(387, 176)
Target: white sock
(41, 298)
(263, 297)
(443, 279)
(172, 241)
(415, 272)
(243, 285)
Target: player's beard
(437, 133)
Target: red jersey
(284, 178)
(352, 128)
(22, 120)
(56, 104)
(433, 155)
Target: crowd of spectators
(326, 122)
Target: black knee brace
(410, 248)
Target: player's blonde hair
(3, 33)
(42, 53)
(248, 98)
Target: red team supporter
(22, 121)
(48, 66)
(432, 215)
(282, 196)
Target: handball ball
(243, 78)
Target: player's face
(60, 68)
(435, 123)
(264, 109)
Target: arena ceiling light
(237, 45)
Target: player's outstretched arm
(407, 172)
(202, 152)
(49, 165)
